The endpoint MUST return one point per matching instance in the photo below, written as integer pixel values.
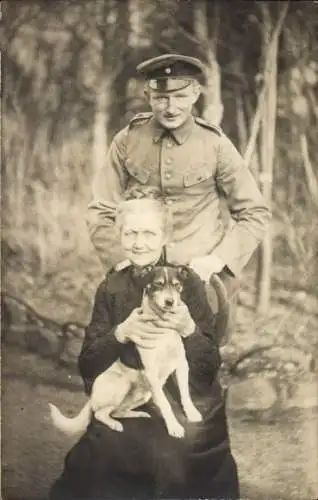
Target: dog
(119, 391)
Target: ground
(277, 459)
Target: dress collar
(141, 272)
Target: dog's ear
(183, 272)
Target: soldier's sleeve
(109, 183)
(249, 212)
(202, 346)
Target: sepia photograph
(159, 250)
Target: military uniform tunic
(193, 165)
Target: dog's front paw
(193, 415)
(176, 430)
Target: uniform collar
(180, 134)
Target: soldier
(194, 164)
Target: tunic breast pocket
(198, 177)
(138, 173)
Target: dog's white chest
(164, 358)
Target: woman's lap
(145, 462)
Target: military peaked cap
(170, 72)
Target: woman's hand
(179, 320)
(145, 330)
(142, 329)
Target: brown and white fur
(119, 390)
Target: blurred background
(68, 84)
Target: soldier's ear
(146, 92)
(197, 89)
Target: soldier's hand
(207, 265)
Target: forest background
(69, 83)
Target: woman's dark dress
(144, 462)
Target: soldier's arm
(109, 183)
(249, 212)
(202, 346)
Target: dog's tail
(71, 426)
(222, 318)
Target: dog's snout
(169, 302)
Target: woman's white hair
(151, 199)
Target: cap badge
(167, 71)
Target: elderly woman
(144, 461)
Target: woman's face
(142, 236)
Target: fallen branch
(282, 352)
(62, 327)
(248, 354)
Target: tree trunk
(109, 30)
(100, 125)
(126, 15)
(311, 179)
(267, 146)
(251, 154)
(213, 107)
(241, 120)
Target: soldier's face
(172, 109)
(142, 237)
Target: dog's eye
(159, 283)
(177, 285)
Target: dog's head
(164, 288)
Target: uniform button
(168, 161)
(169, 145)
(168, 175)
(169, 202)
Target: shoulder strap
(209, 125)
(132, 128)
(140, 118)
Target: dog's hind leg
(108, 393)
(104, 417)
(182, 376)
(132, 414)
